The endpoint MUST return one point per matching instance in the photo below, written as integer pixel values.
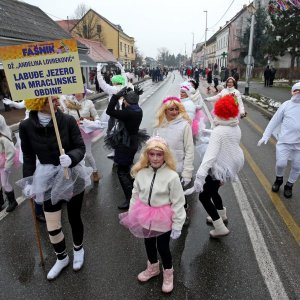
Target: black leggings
(74, 216)
(210, 192)
(160, 244)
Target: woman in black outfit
(38, 139)
(125, 138)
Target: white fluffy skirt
(49, 182)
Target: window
(121, 46)
(84, 29)
(98, 28)
(111, 50)
(131, 49)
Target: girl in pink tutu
(156, 210)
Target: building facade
(95, 27)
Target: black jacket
(40, 141)
(131, 117)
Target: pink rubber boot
(167, 286)
(151, 271)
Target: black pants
(160, 244)
(210, 198)
(126, 180)
(74, 216)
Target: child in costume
(84, 112)
(286, 120)
(156, 210)
(8, 157)
(222, 161)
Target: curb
(259, 108)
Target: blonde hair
(161, 114)
(35, 104)
(144, 160)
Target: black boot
(126, 182)
(1, 200)
(276, 185)
(12, 203)
(288, 190)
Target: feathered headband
(171, 98)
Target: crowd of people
(156, 186)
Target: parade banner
(42, 69)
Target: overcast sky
(154, 23)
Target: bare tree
(88, 26)
(138, 57)
(163, 54)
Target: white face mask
(296, 98)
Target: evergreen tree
(260, 38)
(284, 33)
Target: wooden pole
(61, 150)
(37, 232)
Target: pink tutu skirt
(16, 159)
(145, 221)
(88, 137)
(198, 122)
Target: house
(95, 27)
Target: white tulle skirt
(49, 182)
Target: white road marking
(263, 257)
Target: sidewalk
(280, 94)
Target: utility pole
(248, 68)
(204, 63)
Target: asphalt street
(259, 259)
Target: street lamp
(252, 10)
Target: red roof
(67, 25)
(98, 52)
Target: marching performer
(286, 120)
(222, 161)
(45, 180)
(156, 210)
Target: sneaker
(58, 267)
(78, 259)
(288, 191)
(276, 185)
(111, 155)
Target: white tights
(89, 156)
(4, 176)
(285, 152)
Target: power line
(223, 14)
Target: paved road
(258, 260)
